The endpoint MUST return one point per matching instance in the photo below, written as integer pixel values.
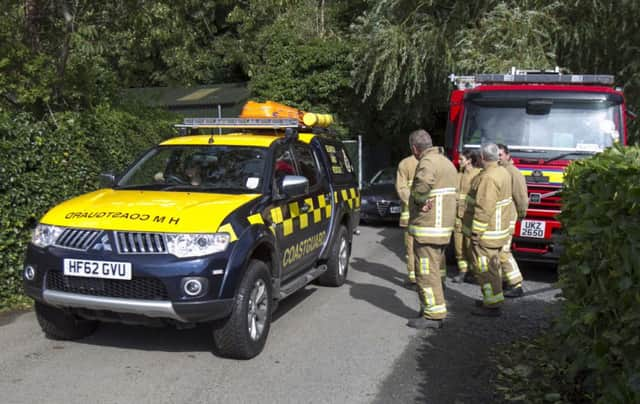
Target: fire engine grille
(137, 288)
(545, 198)
(383, 207)
(140, 243)
(78, 239)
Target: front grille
(383, 207)
(78, 239)
(547, 198)
(137, 288)
(140, 243)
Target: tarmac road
(326, 345)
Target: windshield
(384, 176)
(202, 168)
(569, 125)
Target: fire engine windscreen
(542, 124)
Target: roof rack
(239, 123)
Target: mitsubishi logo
(103, 244)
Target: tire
(244, 333)
(58, 324)
(338, 262)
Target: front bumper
(186, 312)
(155, 292)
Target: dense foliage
(600, 274)
(593, 354)
(47, 161)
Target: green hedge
(600, 276)
(45, 162)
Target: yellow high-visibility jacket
(464, 184)
(518, 188)
(404, 180)
(435, 184)
(489, 212)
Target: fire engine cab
(547, 119)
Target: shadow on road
(454, 364)
(170, 339)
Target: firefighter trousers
(428, 263)
(459, 245)
(408, 243)
(510, 271)
(486, 267)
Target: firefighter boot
(514, 291)
(422, 323)
(459, 278)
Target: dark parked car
(379, 199)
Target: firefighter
(431, 220)
(469, 163)
(404, 179)
(487, 223)
(511, 274)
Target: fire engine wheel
(57, 324)
(244, 333)
(338, 262)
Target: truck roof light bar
(239, 123)
(546, 78)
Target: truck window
(570, 124)
(307, 164)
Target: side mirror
(107, 180)
(294, 185)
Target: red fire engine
(547, 119)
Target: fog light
(29, 273)
(192, 287)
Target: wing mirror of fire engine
(294, 185)
(539, 107)
(107, 180)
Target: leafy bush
(600, 275)
(45, 162)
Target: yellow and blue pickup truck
(203, 228)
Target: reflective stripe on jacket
(435, 183)
(490, 214)
(404, 180)
(518, 188)
(464, 184)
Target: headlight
(44, 235)
(364, 201)
(196, 245)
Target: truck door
(303, 226)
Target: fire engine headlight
(196, 245)
(45, 235)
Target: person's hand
(475, 238)
(428, 205)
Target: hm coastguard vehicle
(203, 228)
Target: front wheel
(58, 324)
(244, 333)
(338, 262)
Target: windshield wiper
(575, 152)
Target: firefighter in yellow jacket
(404, 180)
(469, 163)
(432, 206)
(487, 223)
(510, 271)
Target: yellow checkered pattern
(319, 209)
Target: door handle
(304, 208)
